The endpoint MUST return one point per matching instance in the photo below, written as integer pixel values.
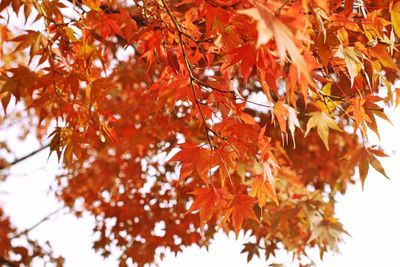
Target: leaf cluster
(178, 114)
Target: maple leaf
(321, 16)
(323, 100)
(358, 111)
(185, 78)
(246, 55)
(397, 101)
(363, 157)
(328, 231)
(395, 17)
(269, 26)
(262, 188)
(285, 114)
(251, 249)
(190, 165)
(381, 53)
(33, 39)
(208, 202)
(351, 57)
(280, 112)
(323, 122)
(264, 145)
(265, 34)
(241, 209)
(293, 122)
(363, 110)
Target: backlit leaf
(323, 122)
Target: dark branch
(47, 217)
(7, 262)
(192, 78)
(24, 157)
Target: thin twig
(331, 99)
(192, 78)
(47, 217)
(24, 157)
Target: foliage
(178, 113)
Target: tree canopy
(192, 116)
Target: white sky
(372, 217)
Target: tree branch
(24, 157)
(189, 70)
(47, 217)
(7, 262)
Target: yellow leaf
(323, 122)
(377, 165)
(352, 59)
(70, 34)
(395, 17)
(321, 16)
(93, 4)
(397, 96)
(326, 104)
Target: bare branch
(24, 157)
(47, 217)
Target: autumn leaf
(269, 26)
(240, 210)
(173, 117)
(363, 157)
(382, 54)
(208, 201)
(397, 101)
(293, 123)
(359, 114)
(351, 57)
(364, 111)
(377, 165)
(246, 55)
(261, 189)
(33, 39)
(321, 17)
(395, 17)
(265, 34)
(323, 100)
(323, 122)
(251, 249)
(348, 7)
(329, 232)
(280, 113)
(190, 165)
